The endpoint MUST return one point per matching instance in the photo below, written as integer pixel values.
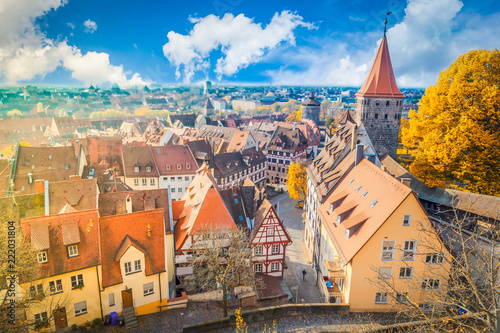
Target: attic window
(136, 169)
(347, 233)
(357, 188)
(351, 181)
(364, 193)
(148, 169)
(67, 166)
(188, 166)
(167, 166)
(179, 166)
(373, 203)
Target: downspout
(47, 210)
(99, 290)
(171, 220)
(159, 286)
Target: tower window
(387, 103)
(386, 115)
(376, 115)
(377, 103)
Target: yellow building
(378, 248)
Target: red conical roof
(381, 81)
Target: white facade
(178, 184)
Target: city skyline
(235, 42)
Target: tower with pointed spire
(208, 110)
(379, 103)
(311, 109)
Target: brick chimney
(39, 186)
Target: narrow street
(296, 257)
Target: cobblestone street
(296, 257)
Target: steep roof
(174, 157)
(360, 213)
(141, 157)
(51, 230)
(120, 231)
(381, 81)
(292, 139)
(311, 101)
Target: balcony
(331, 292)
(335, 269)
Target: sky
(320, 43)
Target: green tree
(455, 136)
(297, 181)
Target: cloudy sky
(325, 42)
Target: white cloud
(240, 40)
(71, 25)
(425, 42)
(90, 26)
(26, 53)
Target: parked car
(300, 204)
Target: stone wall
(269, 313)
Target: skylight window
(373, 203)
(351, 181)
(357, 188)
(364, 193)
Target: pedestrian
(304, 275)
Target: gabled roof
(381, 81)
(138, 156)
(62, 230)
(174, 156)
(292, 139)
(364, 216)
(114, 231)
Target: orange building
(374, 254)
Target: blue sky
(236, 41)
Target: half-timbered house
(269, 241)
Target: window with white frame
(167, 166)
(172, 189)
(388, 250)
(405, 272)
(384, 273)
(426, 307)
(179, 189)
(186, 178)
(111, 299)
(258, 250)
(136, 169)
(188, 166)
(144, 182)
(434, 258)
(152, 182)
(136, 182)
(77, 281)
(406, 220)
(42, 257)
(80, 308)
(431, 284)
(270, 231)
(179, 166)
(148, 288)
(276, 249)
(72, 250)
(148, 169)
(41, 317)
(36, 290)
(172, 179)
(258, 268)
(275, 266)
(55, 287)
(409, 250)
(381, 298)
(132, 267)
(402, 298)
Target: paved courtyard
(296, 257)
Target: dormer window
(179, 166)
(42, 257)
(73, 250)
(167, 166)
(136, 169)
(132, 267)
(148, 169)
(188, 166)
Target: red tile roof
(174, 156)
(132, 228)
(381, 81)
(140, 156)
(88, 246)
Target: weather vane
(385, 22)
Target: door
(60, 319)
(127, 298)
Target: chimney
(359, 154)
(354, 137)
(46, 188)
(39, 186)
(128, 204)
(406, 181)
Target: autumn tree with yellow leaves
(455, 136)
(297, 181)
